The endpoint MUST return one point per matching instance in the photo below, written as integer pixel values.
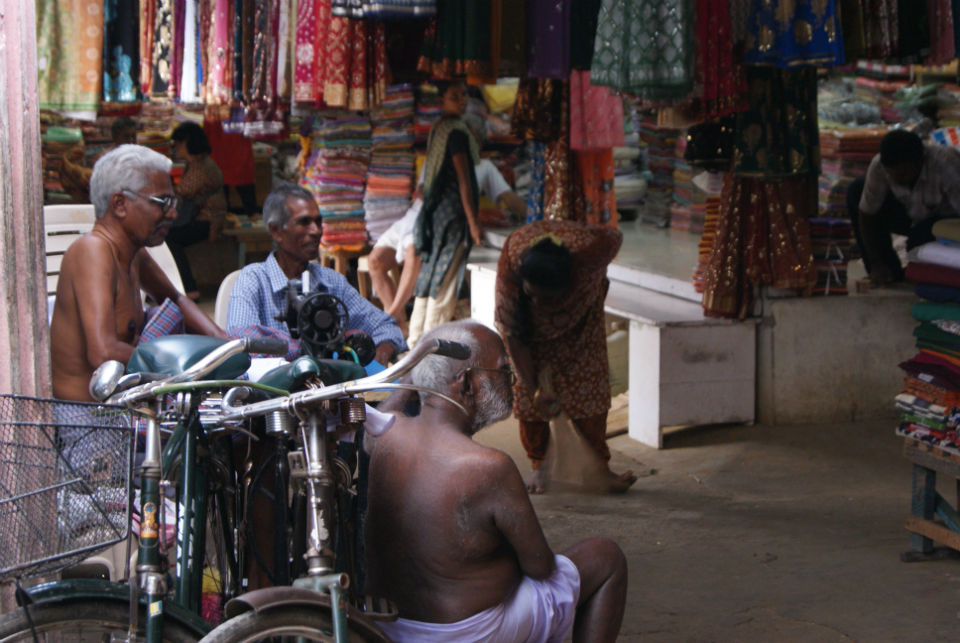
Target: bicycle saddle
(293, 375)
(173, 354)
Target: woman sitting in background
(203, 206)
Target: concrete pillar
(24, 338)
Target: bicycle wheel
(82, 620)
(288, 624)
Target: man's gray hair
(126, 167)
(436, 372)
(275, 211)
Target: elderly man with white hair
(98, 314)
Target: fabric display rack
(335, 173)
(392, 162)
(929, 402)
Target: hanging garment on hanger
(121, 54)
(69, 54)
(548, 38)
(596, 114)
(645, 47)
(794, 33)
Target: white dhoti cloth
(539, 611)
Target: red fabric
(928, 273)
(535, 437)
(927, 356)
(596, 115)
(232, 152)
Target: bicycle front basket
(65, 470)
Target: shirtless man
(98, 315)
(451, 534)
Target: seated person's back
(451, 535)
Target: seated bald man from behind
(98, 314)
(451, 535)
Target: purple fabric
(165, 319)
(548, 38)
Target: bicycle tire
(288, 623)
(86, 619)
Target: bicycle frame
(318, 481)
(147, 401)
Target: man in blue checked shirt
(259, 296)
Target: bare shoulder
(88, 255)
(493, 467)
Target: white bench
(684, 369)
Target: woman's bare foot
(537, 482)
(619, 483)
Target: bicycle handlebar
(382, 380)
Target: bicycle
(319, 606)
(81, 609)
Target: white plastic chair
(64, 224)
(223, 299)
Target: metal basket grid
(65, 473)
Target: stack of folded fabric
(428, 111)
(832, 239)
(334, 173)
(661, 159)
(711, 183)
(629, 185)
(688, 210)
(845, 155)
(930, 400)
(390, 178)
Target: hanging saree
(942, 48)
(645, 47)
(354, 71)
(121, 54)
(538, 158)
(596, 115)
(720, 82)
(583, 32)
(69, 54)
(148, 15)
(191, 38)
(176, 49)
(218, 81)
(457, 43)
(913, 32)
(548, 38)
(778, 135)
(880, 29)
(762, 236)
(162, 43)
(794, 33)
(762, 239)
(513, 39)
(563, 194)
(537, 109)
(854, 36)
(595, 173)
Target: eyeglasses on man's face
(166, 202)
(503, 370)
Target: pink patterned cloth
(219, 83)
(596, 115)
